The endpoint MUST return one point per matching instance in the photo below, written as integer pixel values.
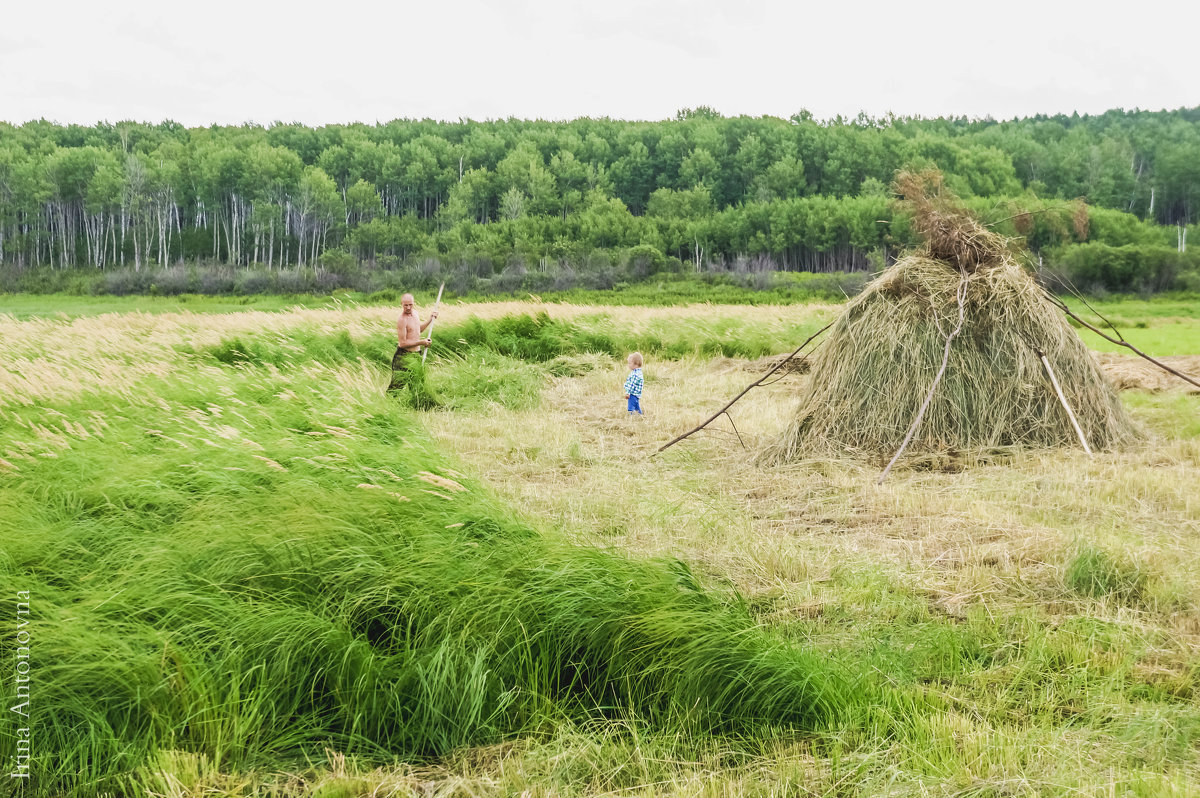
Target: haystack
(875, 369)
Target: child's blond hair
(636, 357)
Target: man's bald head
(406, 302)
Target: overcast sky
(228, 62)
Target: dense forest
(700, 192)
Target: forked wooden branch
(754, 384)
(735, 430)
(1060, 207)
(1120, 341)
(961, 295)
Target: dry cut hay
(951, 234)
(877, 364)
(1128, 372)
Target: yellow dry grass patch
(1131, 371)
(993, 534)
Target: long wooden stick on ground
(1119, 341)
(436, 302)
(754, 384)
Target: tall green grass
(413, 387)
(540, 338)
(504, 361)
(256, 567)
(533, 338)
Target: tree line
(701, 189)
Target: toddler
(633, 383)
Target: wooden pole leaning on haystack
(1058, 390)
(754, 384)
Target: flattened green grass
(252, 566)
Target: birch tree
(317, 203)
(103, 204)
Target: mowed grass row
(252, 566)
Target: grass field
(1165, 326)
(251, 573)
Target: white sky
(234, 61)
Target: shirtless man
(408, 333)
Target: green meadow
(238, 568)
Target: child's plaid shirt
(633, 383)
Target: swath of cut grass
(945, 588)
(197, 598)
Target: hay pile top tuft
(872, 373)
(951, 234)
